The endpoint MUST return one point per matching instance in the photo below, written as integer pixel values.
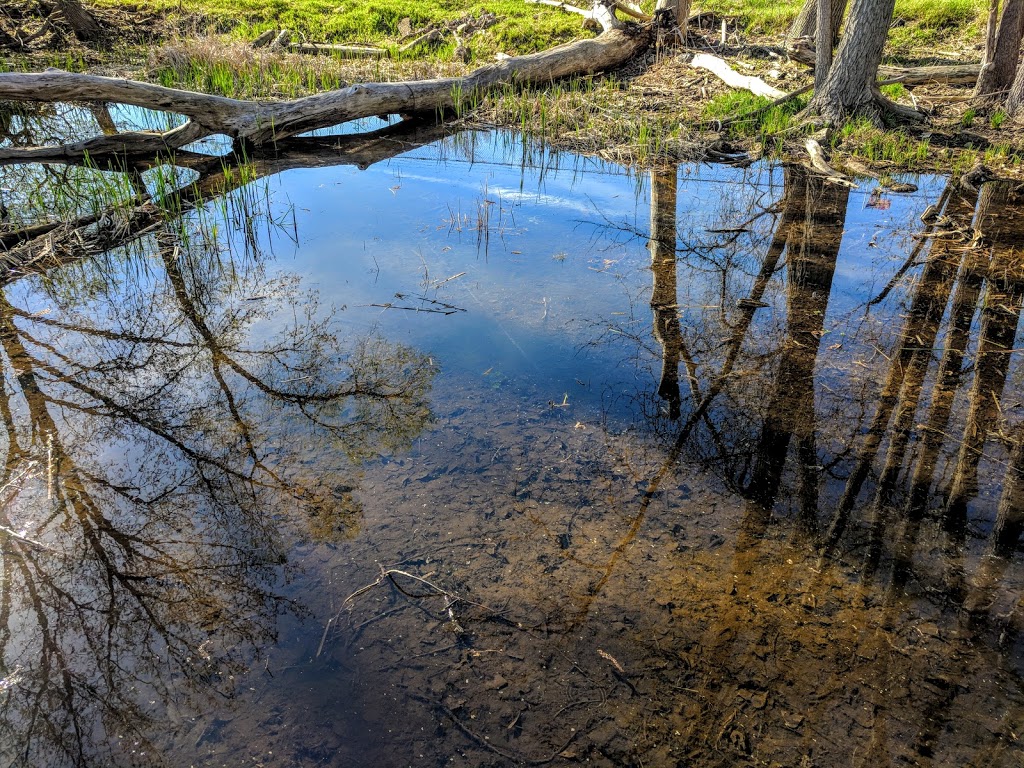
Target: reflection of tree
(159, 455)
(808, 232)
(998, 221)
(664, 296)
(902, 388)
(812, 246)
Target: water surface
(443, 449)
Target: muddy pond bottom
(445, 449)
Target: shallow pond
(434, 448)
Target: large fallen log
(950, 74)
(263, 122)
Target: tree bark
(805, 25)
(680, 10)
(850, 86)
(952, 74)
(261, 122)
(823, 52)
(83, 23)
(1015, 98)
(1000, 64)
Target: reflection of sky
(560, 292)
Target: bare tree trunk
(823, 53)
(850, 86)
(990, 31)
(680, 10)
(1000, 63)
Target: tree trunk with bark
(1000, 63)
(805, 25)
(680, 10)
(823, 52)
(1015, 98)
(850, 86)
(83, 23)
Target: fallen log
(431, 37)
(262, 122)
(262, 41)
(950, 74)
(803, 51)
(345, 51)
(721, 69)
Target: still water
(423, 448)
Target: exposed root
(899, 111)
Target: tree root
(818, 164)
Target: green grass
(756, 15)
(520, 27)
(767, 126)
(918, 23)
(862, 139)
(1003, 155)
(896, 92)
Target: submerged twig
(484, 742)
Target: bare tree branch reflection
(159, 460)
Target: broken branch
(734, 79)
